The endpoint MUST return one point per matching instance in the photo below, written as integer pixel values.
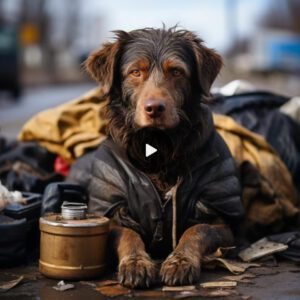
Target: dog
(157, 81)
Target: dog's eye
(176, 72)
(135, 73)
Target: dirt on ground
(271, 280)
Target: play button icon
(149, 150)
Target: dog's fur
(157, 78)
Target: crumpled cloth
(259, 112)
(292, 108)
(269, 196)
(235, 87)
(70, 129)
(26, 166)
(7, 197)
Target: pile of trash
(259, 127)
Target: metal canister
(73, 244)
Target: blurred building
(275, 44)
(54, 37)
(270, 51)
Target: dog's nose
(154, 108)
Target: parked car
(9, 61)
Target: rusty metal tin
(73, 249)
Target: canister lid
(73, 210)
(92, 220)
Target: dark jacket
(259, 112)
(115, 186)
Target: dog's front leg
(136, 269)
(183, 265)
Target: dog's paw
(178, 269)
(137, 271)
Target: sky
(216, 21)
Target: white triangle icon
(149, 150)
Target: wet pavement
(13, 114)
(270, 282)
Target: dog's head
(155, 75)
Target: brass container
(72, 247)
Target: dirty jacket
(259, 112)
(210, 191)
(269, 196)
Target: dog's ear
(101, 64)
(209, 63)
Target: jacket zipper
(158, 234)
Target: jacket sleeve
(105, 186)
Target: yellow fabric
(277, 182)
(70, 129)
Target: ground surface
(270, 282)
(13, 114)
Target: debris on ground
(225, 286)
(10, 284)
(217, 259)
(206, 293)
(218, 293)
(218, 284)
(156, 293)
(244, 297)
(111, 288)
(181, 288)
(115, 290)
(243, 278)
(234, 267)
(92, 284)
(180, 292)
(7, 197)
(62, 286)
(261, 248)
(107, 283)
(260, 289)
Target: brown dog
(158, 78)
